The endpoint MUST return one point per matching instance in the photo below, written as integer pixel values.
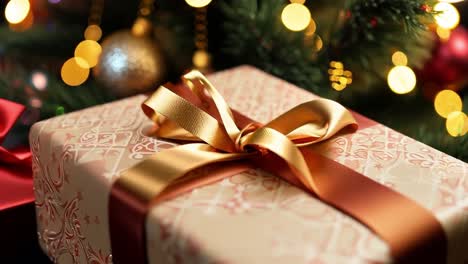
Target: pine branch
(255, 35)
(42, 41)
(15, 86)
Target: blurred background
(403, 63)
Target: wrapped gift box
(252, 217)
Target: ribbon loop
(189, 117)
(9, 113)
(198, 83)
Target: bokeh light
(73, 73)
(451, 1)
(449, 16)
(35, 102)
(443, 33)
(339, 77)
(198, 3)
(93, 32)
(201, 59)
(399, 59)
(296, 17)
(457, 124)
(89, 50)
(39, 80)
(446, 102)
(17, 10)
(401, 79)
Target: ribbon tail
(140, 187)
(404, 224)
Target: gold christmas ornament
(129, 64)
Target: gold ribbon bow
(214, 141)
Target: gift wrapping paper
(252, 217)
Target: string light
(399, 58)
(448, 17)
(198, 3)
(446, 102)
(89, 50)
(318, 43)
(401, 79)
(296, 16)
(93, 32)
(457, 124)
(443, 33)
(339, 77)
(73, 73)
(201, 59)
(17, 10)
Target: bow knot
(306, 124)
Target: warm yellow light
(142, 27)
(451, 1)
(449, 16)
(338, 86)
(201, 59)
(443, 33)
(73, 73)
(339, 77)
(17, 10)
(297, 1)
(89, 50)
(318, 43)
(311, 27)
(446, 102)
(295, 17)
(401, 79)
(457, 124)
(93, 32)
(198, 3)
(399, 59)
(25, 24)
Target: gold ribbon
(213, 141)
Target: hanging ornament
(448, 66)
(131, 62)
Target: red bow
(15, 165)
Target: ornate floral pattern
(253, 217)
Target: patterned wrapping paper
(253, 217)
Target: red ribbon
(16, 185)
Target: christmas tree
(387, 59)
